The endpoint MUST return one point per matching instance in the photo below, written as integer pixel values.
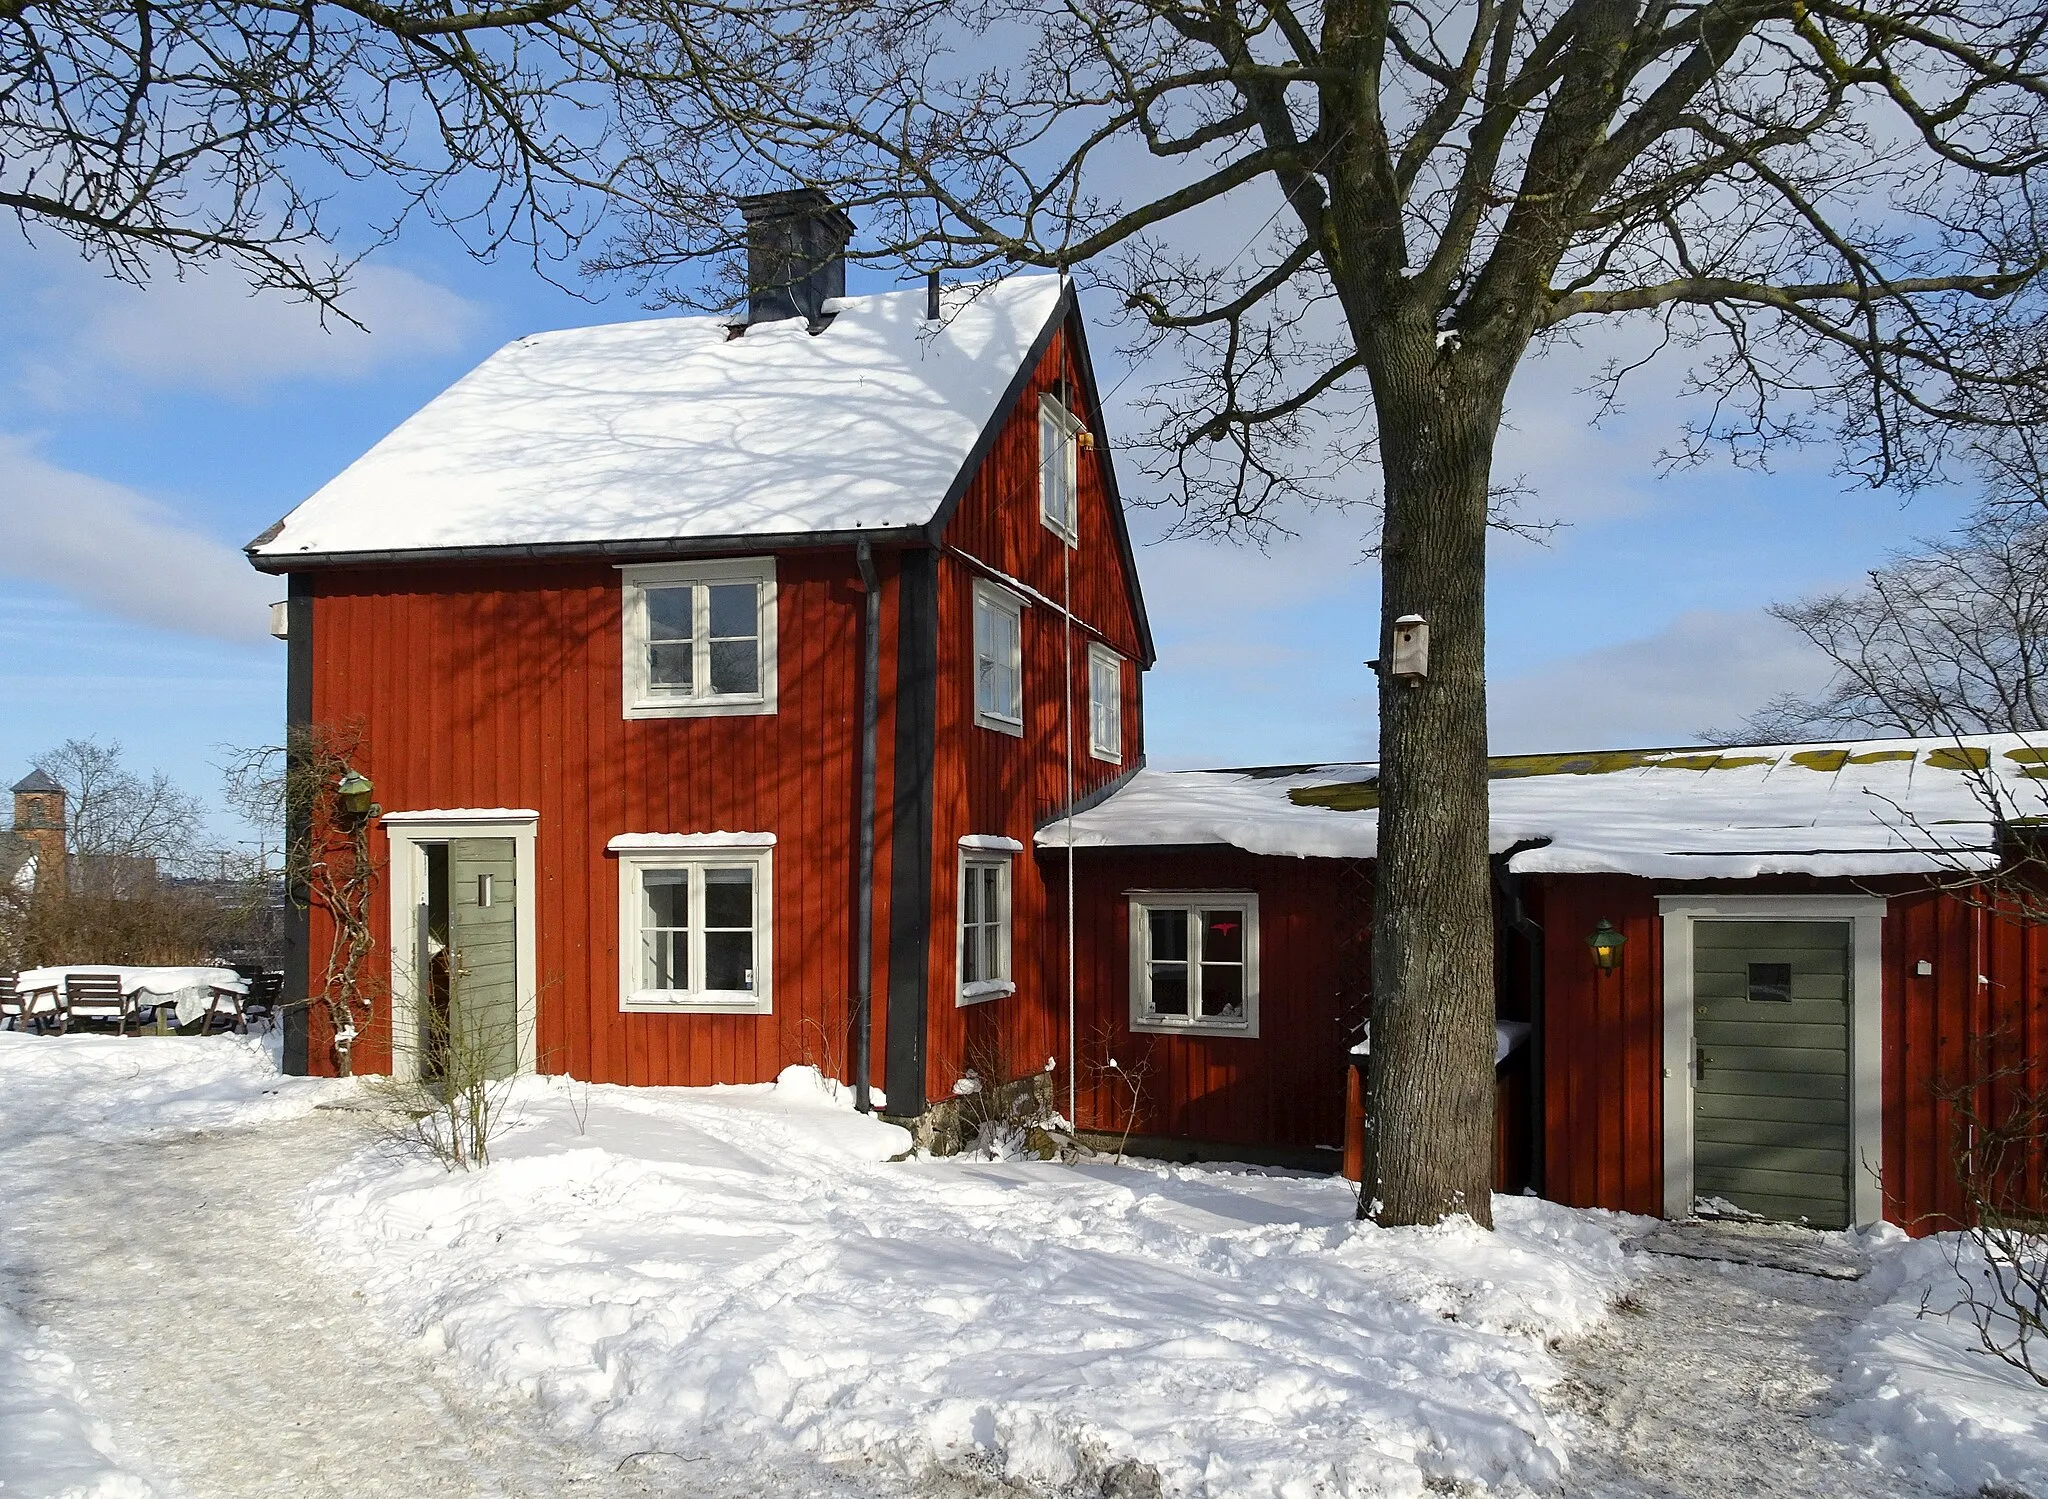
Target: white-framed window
(985, 934)
(695, 927)
(998, 658)
(1059, 469)
(1195, 961)
(1105, 704)
(699, 638)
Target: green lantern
(353, 792)
(1606, 943)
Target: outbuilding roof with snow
(668, 430)
(1894, 806)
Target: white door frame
(409, 833)
(1866, 1049)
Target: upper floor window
(694, 924)
(1058, 469)
(998, 659)
(699, 638)
(1195, 961)
(1105, 704)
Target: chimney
(796, 255)
(39, 822)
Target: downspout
(864, 879)
(1531, 932)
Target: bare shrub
(458, 1106)
(1126, 1080)
(2000, 1156)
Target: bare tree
(116, 815)
(1349, 221)
(1950, 638)
(156, 135)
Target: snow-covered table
(189, 990)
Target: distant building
(33, 850)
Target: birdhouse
(1410, 661)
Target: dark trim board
(657, 549)
(298, 924)
(910, 857)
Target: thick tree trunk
(1432, 1020)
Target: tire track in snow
(229, 1364)
(1714, 1379)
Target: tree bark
(1433, 979)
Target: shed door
(483, 1007)
(1771, 1037)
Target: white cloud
(1706, 669)
(122, 553)
(208, 332)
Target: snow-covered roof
(1894, 806)
(667, 429)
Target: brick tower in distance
(39, 827)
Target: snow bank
(116, 1087)
(1923, 1395)
(51, 1446)
(744, 1272)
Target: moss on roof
(1363, 796)
(1828, 760)
(1959, 757)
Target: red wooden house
(747, 695)
(714, 680)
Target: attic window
(1058, 469)
(699, 638)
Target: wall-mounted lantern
(1606, 943)
(1410, 661)
(353, 791)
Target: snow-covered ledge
(991, 843)
(464, 815)
(635, 843)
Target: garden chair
(13, 1008)
(96, 996)
(226, 1002)
(266, 992)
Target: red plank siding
(1283, 1089)
(499, 686)
(987, 782)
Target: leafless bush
(458, 1107)
(328, 866)
(2000, 1157)
(1126, 1079)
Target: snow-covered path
(1714, 1379)
(172, 1273)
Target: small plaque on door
(1771, 983)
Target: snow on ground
(90, 1091)
(110, 1088)
(1922, 1390)
(53, 1443)
(735, 1271)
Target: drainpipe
(864, 879)
(1531, 932)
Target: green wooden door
(1771, 1037)
(483, 1008)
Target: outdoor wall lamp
(353, 791)
(1606, 944)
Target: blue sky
(147, 435)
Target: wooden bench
(98, 996)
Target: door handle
(1699, 1065)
